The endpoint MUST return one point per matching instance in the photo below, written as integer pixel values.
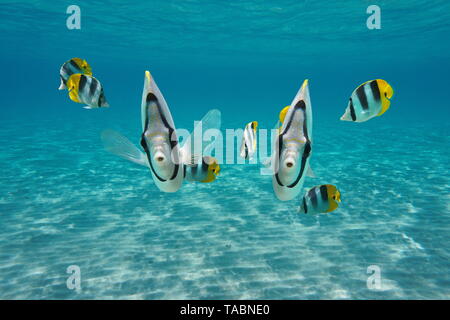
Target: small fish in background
(73, 66)
(320, 199)
(249, 141)
(86, 89)
(204, 171)
(371, 99)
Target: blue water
(65, 201)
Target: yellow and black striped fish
(72, 66)
(204, 171)
(320, 199)
(86, 89)
(371, 99)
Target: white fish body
(159, 138)
(292, 148)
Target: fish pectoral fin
(310, 173)
(119, 145)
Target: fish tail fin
(302, 208)
(119, 145)
(346, 116)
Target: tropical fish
(162, 154)
(371, 99)
(249, 141)
(293, 146)
(70, 67)
(320, 199)
(159, 139)
(205, 170)
(86, 89)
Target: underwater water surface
(65, 201)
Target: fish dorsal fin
(212, 120)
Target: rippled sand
(64, 201)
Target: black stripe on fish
(144, 145)
(324, 193)
(361, 94)
(74, 65)
(246, 150)
(67, 70)
(93, 87)
(375, 90)
(204, 165)
(313, 196)
(308, 146)
(151, 98)
(305, 207)
(352, 110)
(101, 96)
(82, 83)
(306, 154)
(280, 144)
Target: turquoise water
(65, 201)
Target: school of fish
(171, 162)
